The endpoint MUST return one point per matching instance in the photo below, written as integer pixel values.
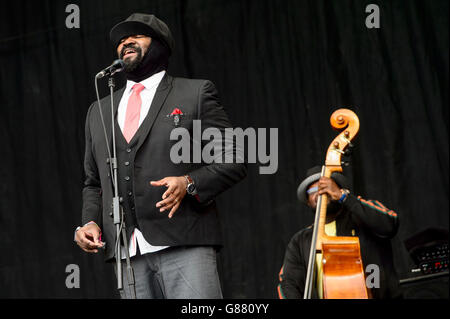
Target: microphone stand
(117, 215)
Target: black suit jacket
(196, 221)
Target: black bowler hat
(313, 175)
(145, 24)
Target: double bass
(342, 267)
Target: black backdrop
(276, 63)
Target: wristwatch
(190, 188)
(344, 196)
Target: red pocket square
(177, 111)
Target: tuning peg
(346, 164)
(347, 139)
(348, 152)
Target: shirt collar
(149, 82)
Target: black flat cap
(140, 23)
(312, 176)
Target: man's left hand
(328, 186)
(172, 197)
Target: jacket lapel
(117, 97)
(160, 97)
(107, 114)
(106, 111)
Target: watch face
(191, 188)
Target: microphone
(116, 66)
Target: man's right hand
(88, 238)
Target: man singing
(169, 209)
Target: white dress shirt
(147, 95)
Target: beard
(132, 63)
(333, 210)
(146, 61)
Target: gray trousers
(174, 273)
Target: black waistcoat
(125, 167)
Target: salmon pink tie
(133, 112)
